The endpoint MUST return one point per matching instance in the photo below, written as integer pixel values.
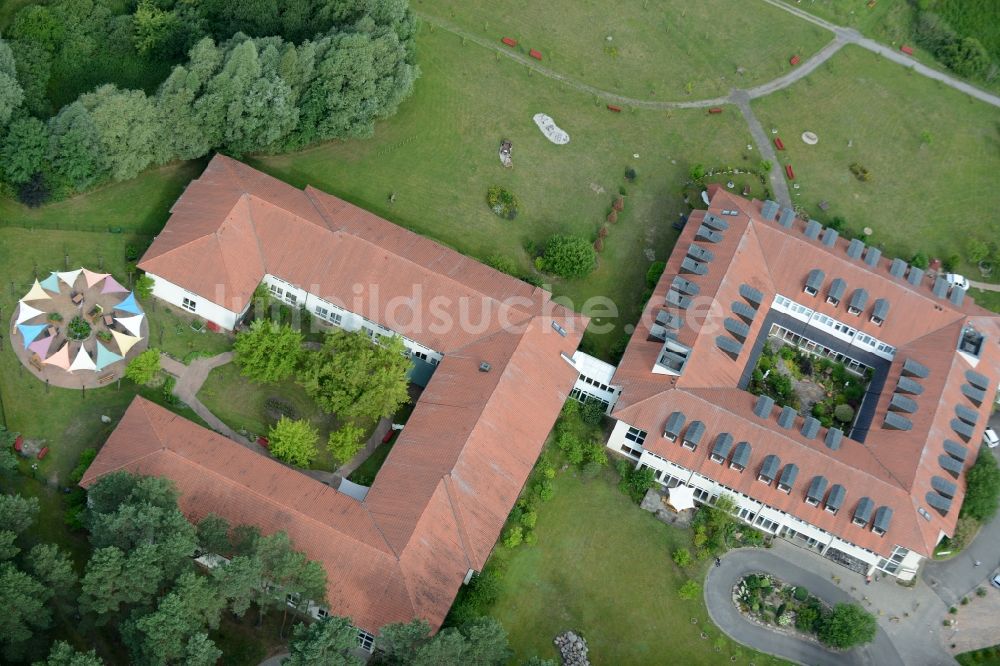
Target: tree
(298, 578)
(127, 128)
(920, 260)
(268, 352)
(75, 148)
(356, 378)
(486, 642)
(153, 28)
(34, 69)
(23, 600)
(17, 513)
(53, 567)
(184, 137)
(697, 172)
(346, 442)
(682, 557)
(843, 413)
(324, 643)
(569, 256)
(143, 287)
(11, 94)
(240, 582)
(213, 535)
(201, 651)
(399, 642)
(293, 441)
(847, 626)
(8, 545)
(110, 491)
(982, 488)
(23, 150)
(63, 654)
(144, 367)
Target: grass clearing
(932, 153)
(170, 331)
(602, 567)
(438, 156)
(664, 50)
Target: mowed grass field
(933, 154)
(645, 49)
(602, 567)
(438, 155)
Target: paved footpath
(909, 617)
(778, 184)
(189, 381)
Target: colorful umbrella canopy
(93, 278)
(36, 293)
(51, 282)
(60, 359)
(125, 342)
(82, 361)
(111, 286)
(132, 324)
(69, 277)
(26, 312)
(30, 332)
(105, 356)
(41, 346)
(129, 305)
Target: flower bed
(502, 202)
(78, 329)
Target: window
(366, 641)
(291, 298)
(812, 501)
(276, 291)
(322, 613)
(421, 355)
(434, 361)
(189, 305)
(876, 320)
(636, 435)
(629, 451)
(923, 513)
(559, 329)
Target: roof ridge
(463, 531)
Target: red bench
(616, 109)
(388, 436)
(778, 143)
(715, 109)
(908, 50)
(509, 42)
(44, 452)
(18, 443)
(537, 55)
(263, 441)
(789, 172)
(794, 60)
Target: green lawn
(932, 153)
(241, 404)
(439, 156)
(170, 331)
(662, 50)
(889, 21)
(985, 657)
(602, 567)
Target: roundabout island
(78, 329)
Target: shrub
(592, 413)
(982, 488)
(920, 260)
(55, 316)
(293, 442)
(806, 618)
(950, 263)
(847, 626)
(513, 537)
(502, 264)
(689, 590)
(654, 272)
(599, 245)
(977, 251)
(104, 336)
(965, 530)
(980, 592)
(860, 172)
(131, 252)
(681, 557)
(843, 413)
(529, 518)
(568, 256)
(697, 173)
(619, 204)
(800, 594)
(635, 482)
(502, 202)
(78, 329)
(630, 174)
(143, 287)
(83, 462)
(613, 216)
(546, 490)
(603, 231)
(346, 442)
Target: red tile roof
(892, 467)
(438, 504)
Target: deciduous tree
(269, 351)
(293, 441)
(23, 150)
(982, 490)
(75, 148)
(847, 626)
(356, 378)
(127, 128)
(144, 367)
(346, 442)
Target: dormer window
(813, 282)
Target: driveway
(736, 564)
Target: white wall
(204, 308)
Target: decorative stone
(105, 419)
(572, 648)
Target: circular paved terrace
(41, 340)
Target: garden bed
(810, 384)
(770, 602)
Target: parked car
(990, 438)
(996, 579)
(956, 280)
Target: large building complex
(497, 351)
(879, 494)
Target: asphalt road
(718, 598)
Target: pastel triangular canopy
(129, 305)
(60, 359)
(133, 324)
(51, 282)
(27, 312)
(125, 342)
(82, 361)
(111, 286)
(36, 293)
(681, 497)
(105, 356)
(30, 332)
(41, 346)
(69, 277)
(93, 278)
